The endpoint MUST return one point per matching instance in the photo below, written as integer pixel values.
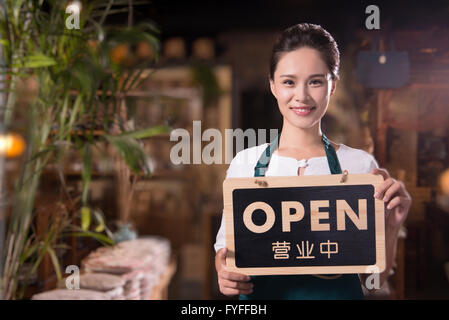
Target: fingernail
(376, 195)
(385, 199)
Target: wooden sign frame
(231, 184)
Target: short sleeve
(234, 170)
(372, 164)
(220, 241)
(241, 166)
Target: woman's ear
(273, 91)
(334, 85)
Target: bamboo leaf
(41, 153)
(145, 133)
(85, 218)
(4, 42)
(43, 249)
(98, 236)
(75, 111)
(55, 261)
(131, 152)
(29, 252)
(87, 171)
(100, 219)
(35, 61)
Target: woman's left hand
(397, 199)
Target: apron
(303, 287)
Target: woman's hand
(397, 200)
(397, 204)
(231, 283)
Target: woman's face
(302, 85)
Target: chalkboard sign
(304, 225)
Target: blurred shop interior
(209, 62)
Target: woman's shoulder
(356, 160)
(250, 154)
(242, 165)
(350, 151)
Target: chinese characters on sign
(281, 250)
(305, 250)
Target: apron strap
(331, 155)
(264, 160)
(262, 164)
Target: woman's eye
(288, 82)
(316, 82)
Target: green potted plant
(82, 76)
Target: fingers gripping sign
(231, 283)
(396, 198)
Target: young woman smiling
(303, 77)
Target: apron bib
(303, 287)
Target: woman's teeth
(302, 111)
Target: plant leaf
(100, 219)
(36, 61)
(131, 152)
(4, 42)
(55, 261)
(98, 236)
(145, 133)
(87, 171)
(85, 218)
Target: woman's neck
(299, 138)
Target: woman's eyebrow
(311, 76)
(317, 75)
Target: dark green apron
(302, 287)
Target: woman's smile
(303, 111)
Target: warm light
(11, 145)
(75, 6)
(444, 182)
(382, 59)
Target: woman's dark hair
(307, 35)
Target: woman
(303, 76)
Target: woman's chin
(302, 123)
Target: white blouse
(242, 166)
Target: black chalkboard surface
(304, 225)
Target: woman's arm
(397, 204)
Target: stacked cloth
(126, 271)
(140, 263)
(108, 284)
(66, 294)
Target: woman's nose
(301, 93)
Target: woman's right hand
(231, 283)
